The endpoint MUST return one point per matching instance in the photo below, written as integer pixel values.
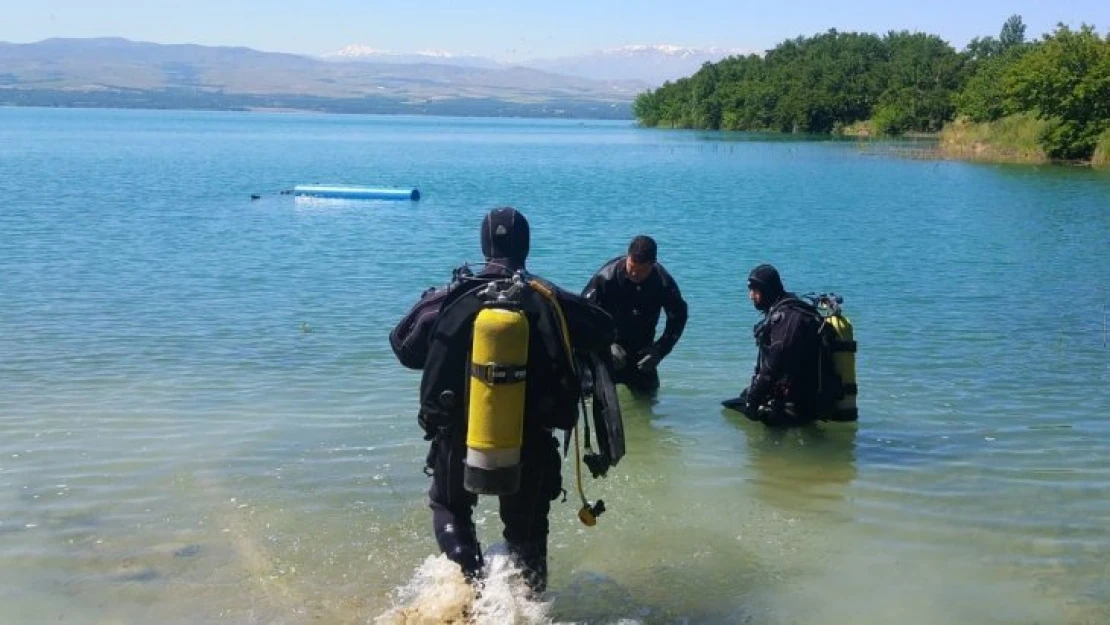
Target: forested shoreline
(1052, 93)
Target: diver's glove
(647, 359)
(620, 357)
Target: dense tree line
(900, 82)
(1063, 79)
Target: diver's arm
(676, 310)
(409, 339)
(603, 293)
(772, 366)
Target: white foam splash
(438, 593)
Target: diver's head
(505, 236)
(764, 287)
(640, 260)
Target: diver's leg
(525, 512)
(452, 505)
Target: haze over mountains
(651, 64)
(124, 73)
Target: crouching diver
(498, 350)
(784, 389)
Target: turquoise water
(201, 420)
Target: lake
(201, 420)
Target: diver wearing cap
(441, 335)
(634, 289)
(784, 389)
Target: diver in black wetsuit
(784, 389)
(634, 289)
(550, 403)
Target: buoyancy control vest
(832, 336)
(497, 364)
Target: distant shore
(190, 100)
(1013, 139)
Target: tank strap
(843, 346)
(498, 374)
(849, 389)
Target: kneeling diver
(805, 371)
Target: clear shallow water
(201, 420)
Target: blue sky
(508, 30)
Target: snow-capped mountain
(652, 64)
(359, 52)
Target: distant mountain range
(653, 65)
(359, 52)
(122, 73)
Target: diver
(784, 390)
(460, 389)
(634, 289)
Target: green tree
(1066, 79)
(815, 84)
(981, 48)
(1013, 33)
(646, 108)
(984, 96)
(923, 75)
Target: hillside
(119, 72)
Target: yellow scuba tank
(495, 418)
(844, 364)
(837, 401)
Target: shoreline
(1011, 141)
(958, 140)
(459, 107)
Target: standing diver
(493, 350)
(634, 289)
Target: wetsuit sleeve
(409, 339)
(675, 307)
(782, 337)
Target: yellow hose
(585, 514)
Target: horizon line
(447, 54)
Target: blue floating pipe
(355, 193)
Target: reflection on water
(806, 467)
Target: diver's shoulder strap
(793, 302)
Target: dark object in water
(736, 403)
(187, 551)
(146, 574)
